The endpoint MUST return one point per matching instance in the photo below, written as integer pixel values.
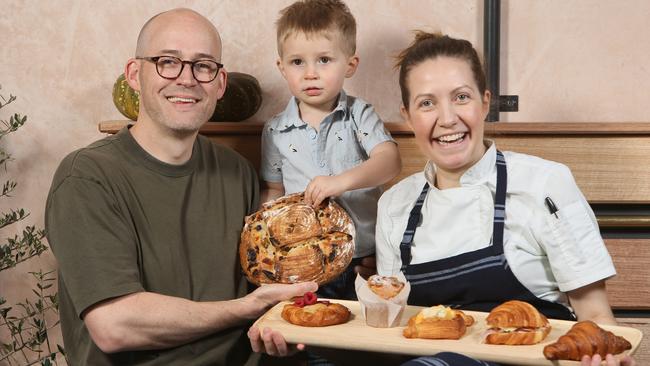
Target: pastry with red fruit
(308, 311)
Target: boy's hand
(367, 267)
(322, 187)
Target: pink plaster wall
(578, 60)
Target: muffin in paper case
(379, 312)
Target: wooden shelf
(609, 161)
(401, 128)
(624, 221)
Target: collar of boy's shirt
(292, 112)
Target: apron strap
(498, 223)
(414, 220)
(500, 203)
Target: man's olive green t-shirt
(120, 221)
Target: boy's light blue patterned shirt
(293, 153)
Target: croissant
(438, 322)
(516, 313)
(320, 314)
(516, 323)
(585, 338)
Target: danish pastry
(384, 286)
(516, 323)
(585, 338)
(288, 241)
(438, 322)
(307, 311)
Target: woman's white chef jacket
(548, 255)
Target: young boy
(325, 142)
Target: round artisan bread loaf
(289, 241)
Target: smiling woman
(445, 103)
(476, 216)
(446, 112)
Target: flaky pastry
(516, 323)
(586, 338)
(438, 322)
(320, 314)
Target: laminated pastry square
(382, 299)
(438, 322)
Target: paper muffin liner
(379, 312)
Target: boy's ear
(353, 63)
(405, 115)
(131, 72)
(280, 66)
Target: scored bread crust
(288, 241)
(317, 315)
(534, 326)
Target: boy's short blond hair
(318, 17)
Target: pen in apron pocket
(551, 206)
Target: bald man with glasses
(145, 223)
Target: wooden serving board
(356, 335)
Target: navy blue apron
(478, 280)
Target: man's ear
(131, 72)
(222, 77)
(353, 63)
(405, 115)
